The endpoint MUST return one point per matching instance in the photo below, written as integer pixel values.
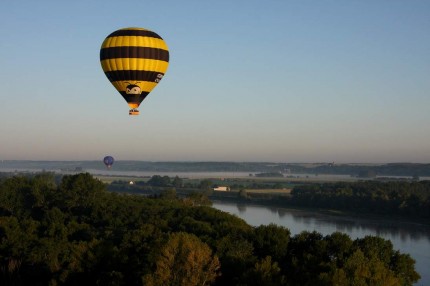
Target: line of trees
(409, 199)
(74, 231)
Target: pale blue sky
(284, 81)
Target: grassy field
(110, 179)
(269, 191)
(251, 184)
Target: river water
(407, 237)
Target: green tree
(265, 272)
(360, 270)
(338, 247)
(236, 256)
(17, 237)
(15, 196)
(205, 185)
(403, 266)
(177, 182)
(80, 191)
(43, 187)
(306, 258)
(168, 194)
(373, 246)
(184, 261)
(271, 240)
(159, 181)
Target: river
(407, 237)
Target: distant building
(222, 188)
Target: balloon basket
(133, 112)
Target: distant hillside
(393, 169)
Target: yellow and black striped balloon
(134, 60)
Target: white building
(222, 188)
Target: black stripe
(134, 52)
(134, 98)
(142, 33)
(134, 75)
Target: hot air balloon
(108, 160)
(134, 60)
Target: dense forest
(408, 199)
(71, 231)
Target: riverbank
(282, 201)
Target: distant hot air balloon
(134, 60)
(108, 160)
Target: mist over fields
(362, 170)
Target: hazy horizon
(213, 161)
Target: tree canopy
(73, 231)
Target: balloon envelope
(108, 160)
(134, 60)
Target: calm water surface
(406, 236)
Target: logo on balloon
(133, 89)
(159, 77)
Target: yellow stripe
(133, 105)
(134, 64)
(134, 41)
(145, 86)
